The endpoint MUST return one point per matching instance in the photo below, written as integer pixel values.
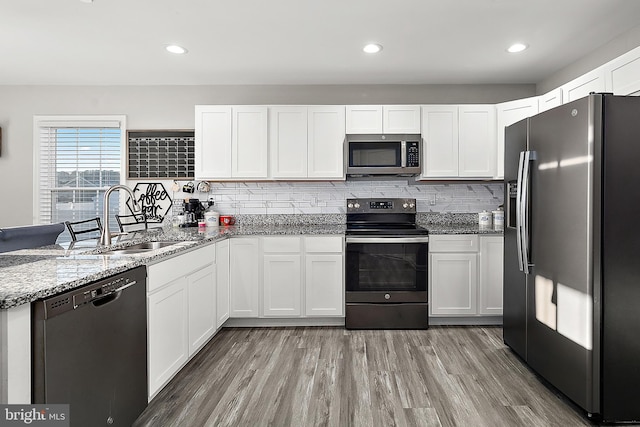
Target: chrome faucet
(105, 236)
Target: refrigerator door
(620, 248)
(514, 315)
(560, 290)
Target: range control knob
(349, 205)
(387, 296)
(412, 205)
(357, 205)
(405, 205)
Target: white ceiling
(121, 42)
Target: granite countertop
(30, 274)
(460, 229)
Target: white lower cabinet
(324, 276)
(491, 275)
(282, 277)
(168, 334)
(297, 269)
(465, 275)
(181, 312)
(222, 282)
(244, 276)
(454, 283)
(202, 307)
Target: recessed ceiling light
(517, 47)
(174, 48)
(86, 1)
(372, 48)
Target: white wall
(622, 44)
(171, 107)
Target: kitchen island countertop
(30, 274)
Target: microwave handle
(403, 154)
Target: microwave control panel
(413, 154)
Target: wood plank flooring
(313, 376)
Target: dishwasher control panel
(73, 299)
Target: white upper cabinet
(230, 142)
(269, 142)
(593, 81)
(383, 119)
(477, 141)
(459, 141)
(213, 141)
(550, 100)
(249, 147)
(507, 113)
(401, 119)
(306, 142)
(288, 137)
(440, 141)
(623, 74)
(364, 118)
(325, 138)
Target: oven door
(386, 269)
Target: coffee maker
(193, 212)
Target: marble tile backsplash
(269, 198)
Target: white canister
(498, 218)
(212, 219)
(484, 219)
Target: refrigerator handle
(529, 156)
(519, 211)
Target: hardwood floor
(444, 376)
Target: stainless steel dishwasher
(90, 350)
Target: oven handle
(422, 239)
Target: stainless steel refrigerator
(572, 251)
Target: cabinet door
(222, 282)
(550, 100)
(507, 113)
(477, 141)
(167, 333)
(593, 81)
(491, 277)
(244, 275)
(202, 307)
(401, 119)
(454, 281)
(249, 154)
(324, 285)
(364, 118)
(288, 142)
(623, 73)
(440, 140)
(212, 142)
(282, 285)
(325, 139)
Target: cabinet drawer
(454, 243)
(281, 244)
(178, 266)
(323, 244)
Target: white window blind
(77, 161)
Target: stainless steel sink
(139, 248)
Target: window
(77, 159)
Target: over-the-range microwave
(383, 154)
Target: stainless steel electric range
(386, 265)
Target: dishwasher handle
(97, 295)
